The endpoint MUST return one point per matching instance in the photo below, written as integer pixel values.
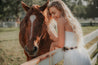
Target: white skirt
(78, 56)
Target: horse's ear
(26, 8)
(42, 8)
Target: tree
(9, 8)
(92, 9)
(13, 8)
(3, 9)
(77, 8)
(79, 11)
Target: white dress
(77, 56)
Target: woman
(68, 34)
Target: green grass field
(11, 52)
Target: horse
(33, 35)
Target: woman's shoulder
(68, 27)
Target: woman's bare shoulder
(68, 27)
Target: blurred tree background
(80, 8)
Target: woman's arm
(52, 36)
(61, 36)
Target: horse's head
(32, 26)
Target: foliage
(9, 8)
(13, 8)
(92, 9)
(79, 11)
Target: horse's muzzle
(31, 52)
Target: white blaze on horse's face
(32, 18)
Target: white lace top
(53, 27)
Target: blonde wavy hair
(61, 6)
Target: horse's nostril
(31, 52)
(34, 48)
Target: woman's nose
(52, 15)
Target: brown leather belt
(71, 48)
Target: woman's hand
(53, 46)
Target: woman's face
(54, 12)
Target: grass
(8, 29)
(89, 29)
(11, 52)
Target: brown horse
(33, 35)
